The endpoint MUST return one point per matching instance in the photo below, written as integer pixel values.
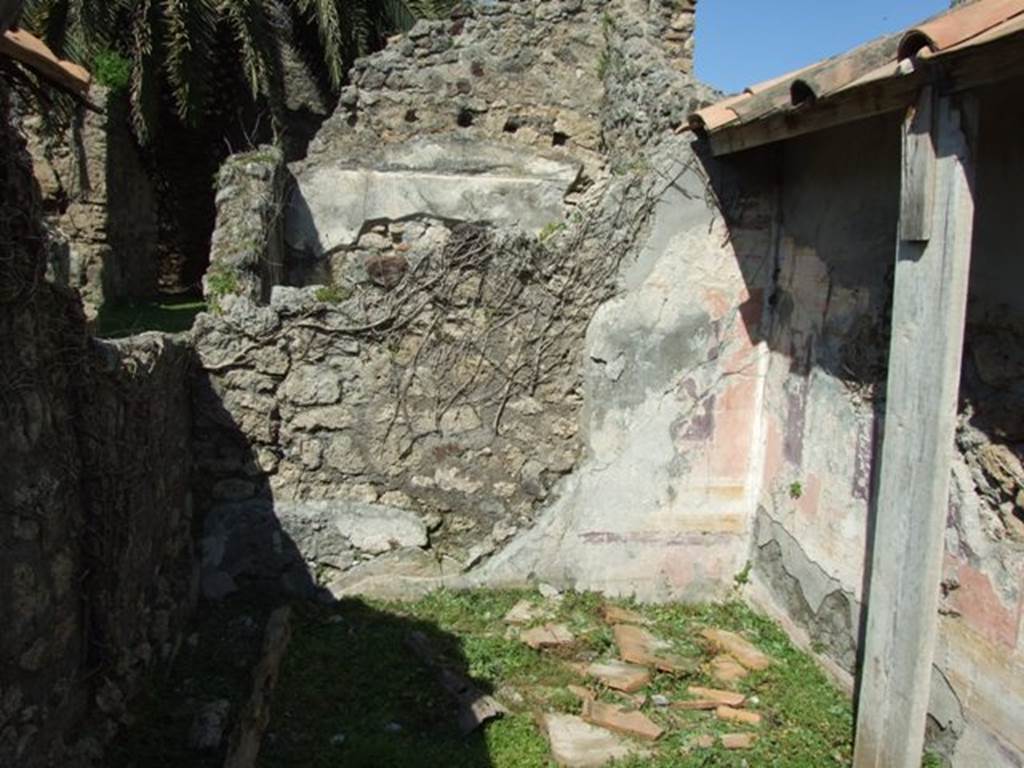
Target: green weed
(112, 70)
(352, 693)
(332, 294)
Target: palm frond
(325, 16)
(172, 43)
(190, 27)
(255, 29)
(145, 83)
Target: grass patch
(221, 281)
(333, 293)
(171, 315)
(352, 694)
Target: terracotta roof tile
(831, 75)
(958, 25)
(19, 45)
(975, 24)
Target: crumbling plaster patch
(651, 512)
(806, 593)
(449, 179)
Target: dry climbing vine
(491, 316)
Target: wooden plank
(929, 307)
(248, 733)
(918, 176)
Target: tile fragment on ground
(707, 704)
(737, 715)
(614, 614)
(581, 693)
(738, 647)
(547, 636)
(725, 669)
(522, 612)
(578, 744)
(638, 646)
(730, 698)
(617, 719)
(620, 675)
(738, 740)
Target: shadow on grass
(172, 314)
(350, 692)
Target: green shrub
(112, 70)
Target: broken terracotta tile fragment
(577, 744)
(704, 741)
(581, 693)
(522, 612)
(475, 707)
(636, 700)
(738, 740)
(730, 698)
(737, 647)
(737, 715)
(614, 614)
(725, 669)
(696, 704)
(616, 719)
(674, 664)
(620, 675)
(547, 636)
(636, 641)
(638, 646)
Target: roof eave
(889, 88)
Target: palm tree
(170, 47)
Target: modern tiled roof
(897, 56)
(19, 45)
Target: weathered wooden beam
(252, 722)
(918, 174)
(846, 107)
(928, 313)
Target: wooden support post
(928, 313)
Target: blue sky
(741, 42)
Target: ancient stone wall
(439, 398)
(98, 196)
(453, 362)
(95, 541)
(247, 249)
